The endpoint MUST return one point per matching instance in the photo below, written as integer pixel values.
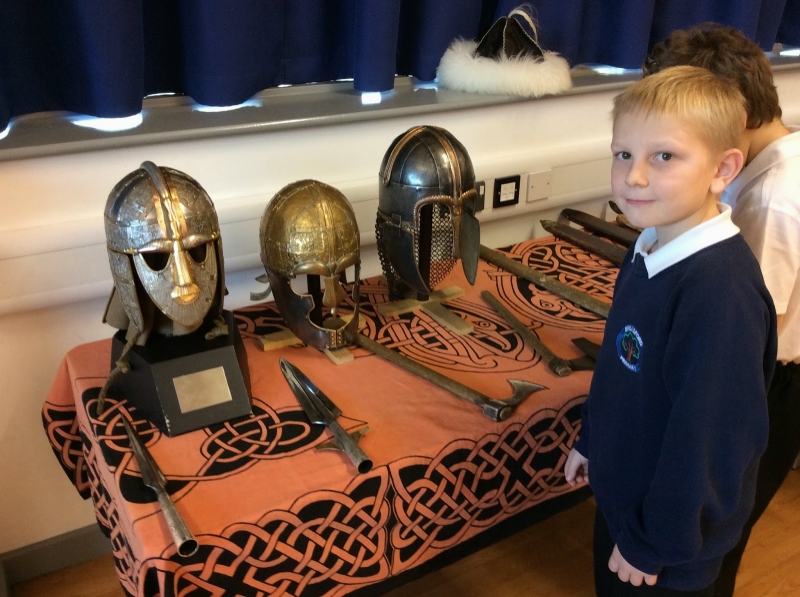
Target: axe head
(500, 410)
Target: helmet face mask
(309, 228)
(426, 211)
(183, 289)
(164, 248)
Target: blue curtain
(620, 32)
(101, 57)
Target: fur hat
(507, 60)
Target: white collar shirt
(695, 239)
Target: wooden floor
(552, 558)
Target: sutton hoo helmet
(426, 211)
(165, 252)
(310, 228)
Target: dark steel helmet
(426, 211)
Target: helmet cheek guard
(396, 242)
(309, 228)
(469, 232)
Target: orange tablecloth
(273, 516)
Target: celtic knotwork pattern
(424, 341)
(107, 517)
(61, 425)
(326, 540)
(385, 522)
(493, 346)
(228, 447)
(101, 499)
(490, 348)
(259, 320)
(567, 264)
(109, 429)
(265, 435)
(475, 484)
(262, 319)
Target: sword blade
(604, 249)
(624, 236)
(573, 295)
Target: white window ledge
(178, 118)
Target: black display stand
(183, 383)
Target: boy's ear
(730, 164)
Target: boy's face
(663, 174)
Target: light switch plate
(506, 191)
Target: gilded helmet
(426, 211)
(309, 228)
(165, 252)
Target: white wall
(54, 275)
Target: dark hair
(727, 53)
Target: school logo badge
(629, 348)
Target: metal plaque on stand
(183, 383)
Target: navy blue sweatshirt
(676, 418)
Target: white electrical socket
(508, 191)
(540, 185)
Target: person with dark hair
(765, 198)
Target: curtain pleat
(789, 29)
(231, 49)
(84, 56)
(427, 28)
(680, 14)
(616, 32)
(102, 57)
(769, 21)
(377, 24)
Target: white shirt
(766, 206)
(695, 239)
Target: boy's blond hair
(713, 106)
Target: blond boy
(676, 418)
(765, 199)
